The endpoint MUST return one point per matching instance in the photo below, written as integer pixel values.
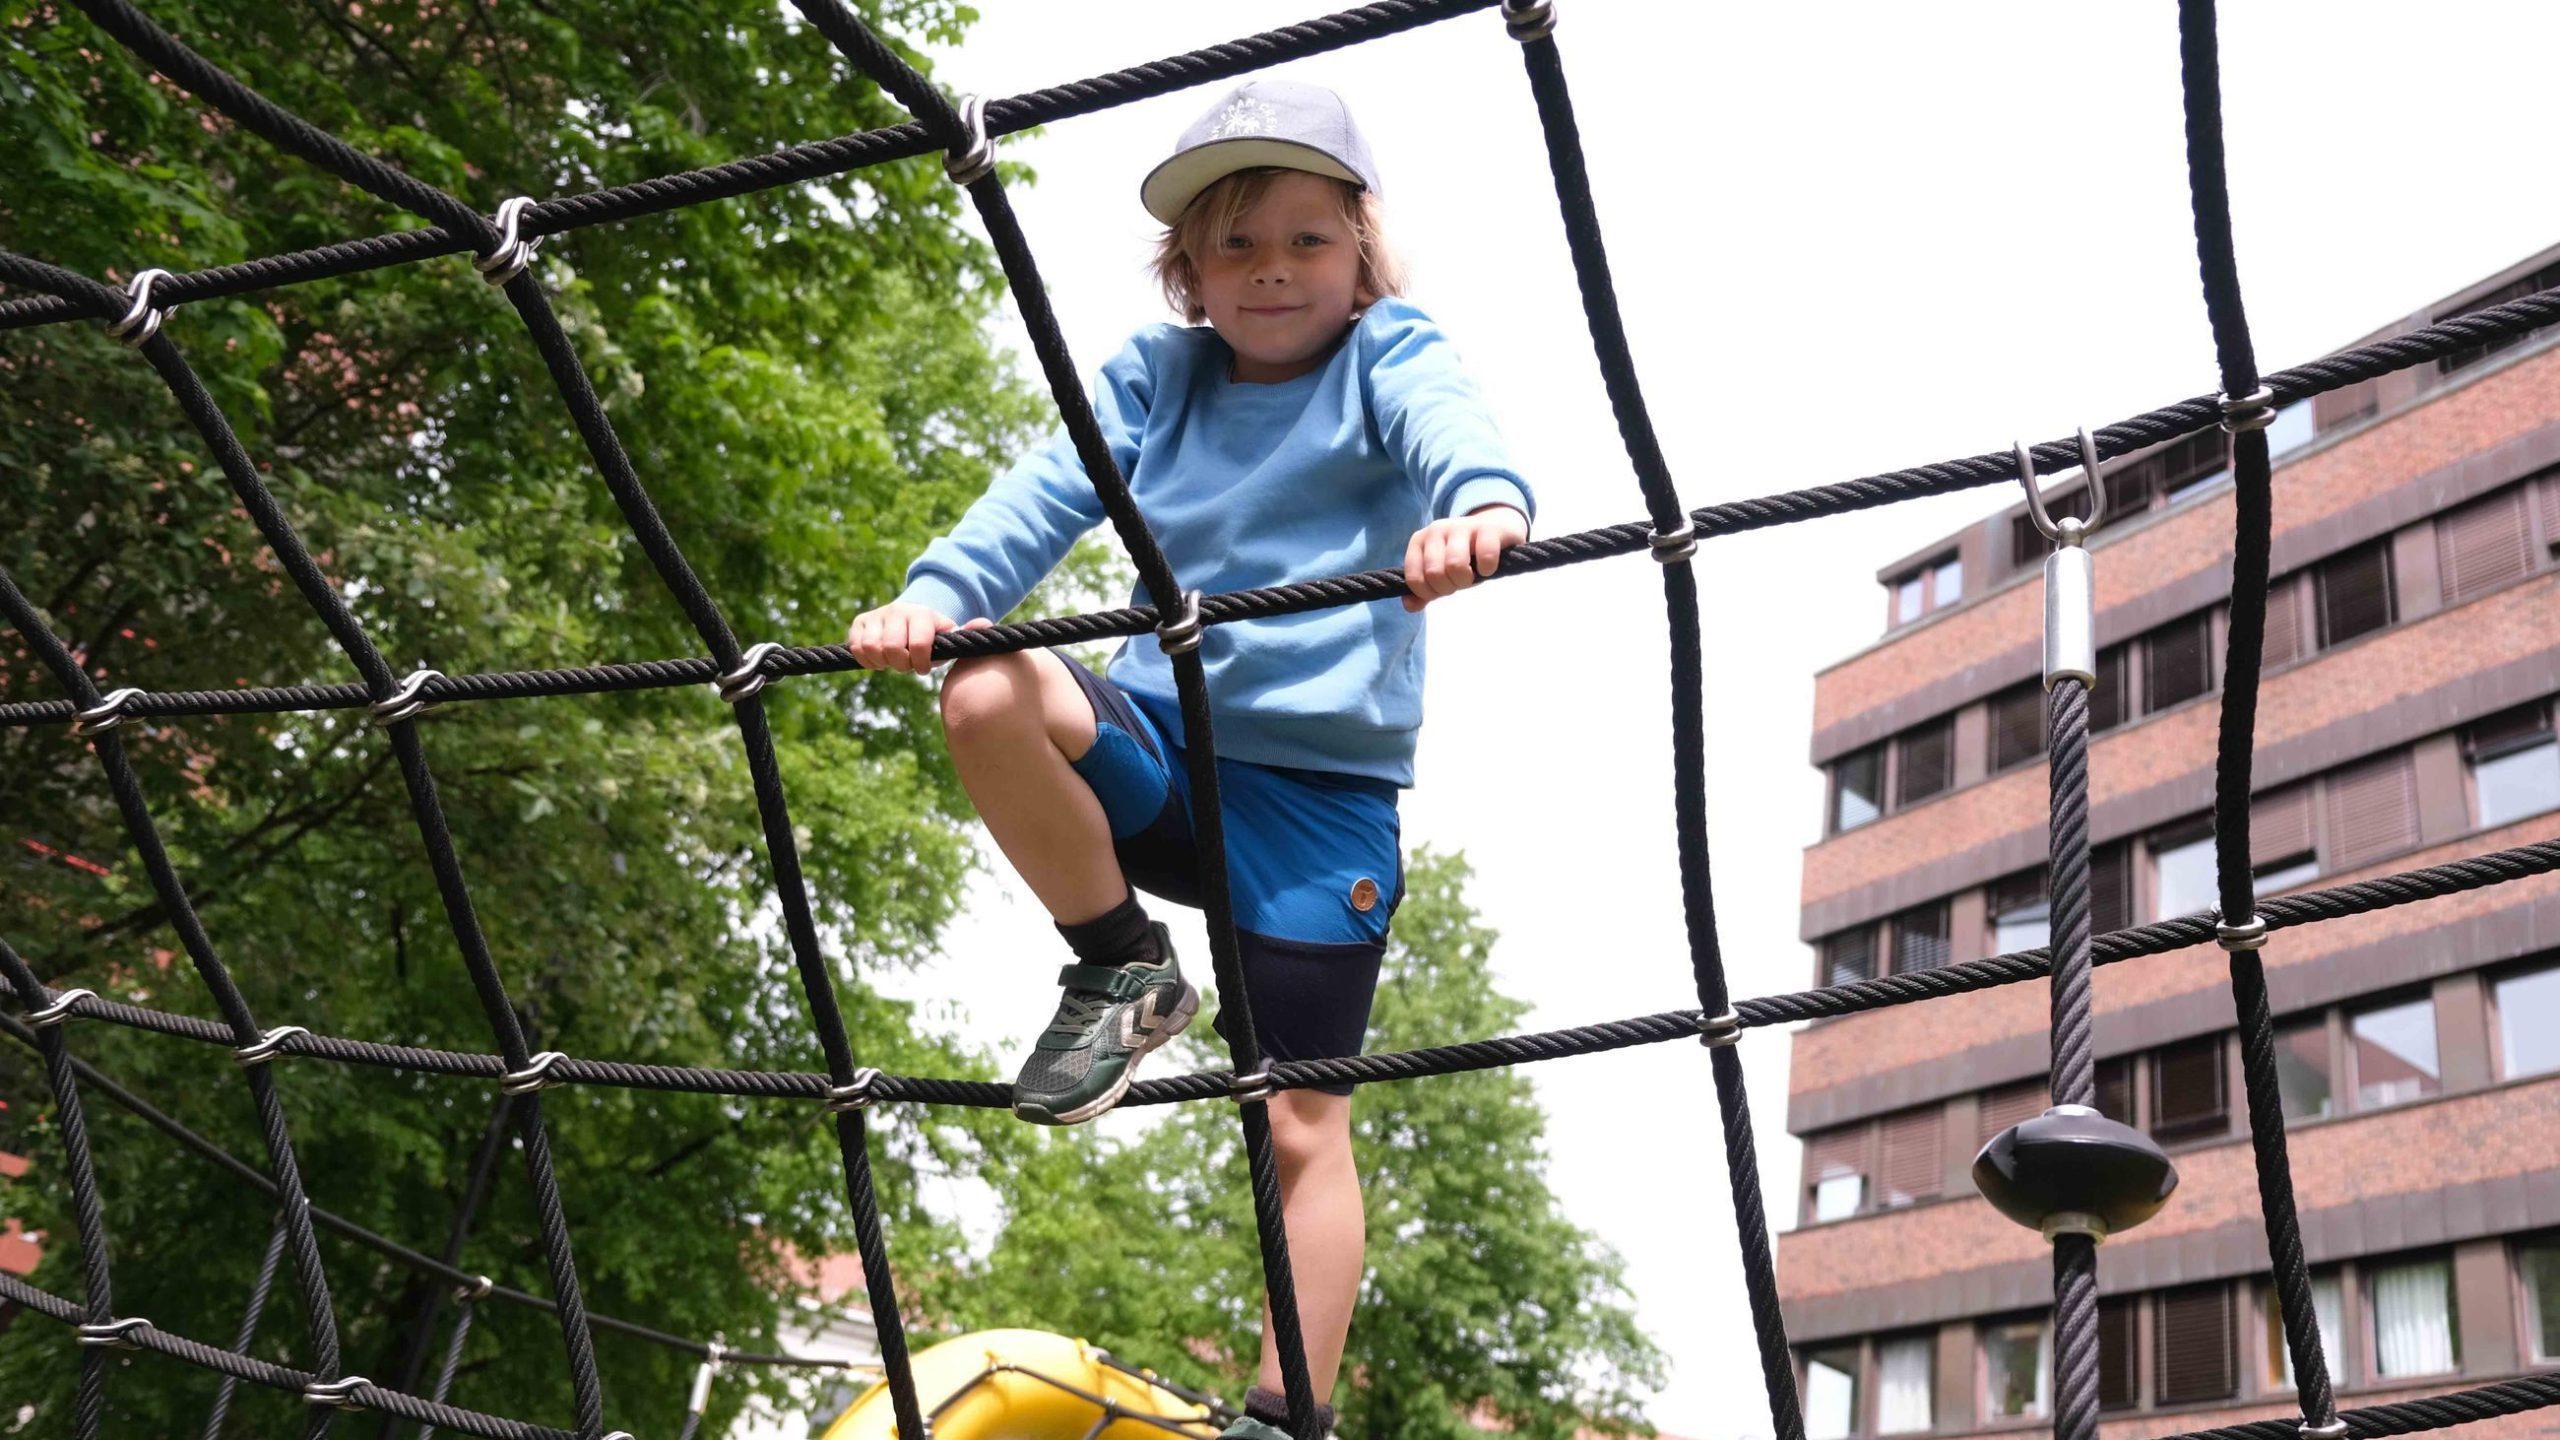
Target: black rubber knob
(2073, 1161)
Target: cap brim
(1171, 186)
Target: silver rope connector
(2331, 1429)
(141, 320)
(2070, 578)
(1181, 634)
(2074, 1222)
(407, 702)
(1529, 20)
(1718, 1031)
(1250, 1089)
(1673, 546)
(700, 1400)
(2253, 411)
(60, 1010)
(266, 1047)
(104, 716)
(854, 1094)
(536, 1074)
(2249, 934)
(339, 1393)
(474, 1292)
(114, 1334)
(514, 251)
(973, 161)
(747, 677)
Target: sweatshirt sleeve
(1434, 420)
(1018, 531)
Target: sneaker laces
(1079, 1010)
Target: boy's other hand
(1446, 556)
(900, 637)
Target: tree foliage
(804, 381)
(1481, 1299)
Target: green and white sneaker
(1108, 1020)
(1248, 1428)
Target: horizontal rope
(792, 165)
(2284, 912)
(2433, 1412)
(280, 1377)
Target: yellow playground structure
(1032, 1385)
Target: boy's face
(1281, 283)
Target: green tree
(804, 382)
(1479, 1290)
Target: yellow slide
(1028, 1385)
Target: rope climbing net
(502, 248)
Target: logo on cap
(1245, 115)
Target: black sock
(1117, 936)
(1273, 1409)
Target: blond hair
(1214, 210)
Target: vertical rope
(464, 1311)
(2246, 411)
(2075, 1070)
(88, 1208)
(247, 1334)
(1673, 543)
(475, 1192)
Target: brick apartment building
(2406, 718)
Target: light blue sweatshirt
(1248, 485)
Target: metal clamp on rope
(1672, 546)
(514, 251)
(2074, 1222)
(1250, 1089)
(1718, 1031)
(114, 1334)
(2249, 934)
(104, 716)
(1181, 634)
(1529, 20)
(747, 677)
(140, 321)
(2070, 579)
(974, 160)
(700, 1400)
(266, 1047)
(854, 1094)
(340, 1392)
(407, 702)
(60, 1010)
(2333, 1429)
(536, 1074)
(477, 1290)
(2253, 411)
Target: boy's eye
(1312, 238)
(1235, 242)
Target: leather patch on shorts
(1364, 894)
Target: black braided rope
(88, 1210)
(241, 1339)
(2075, 1041)
(461, 1336)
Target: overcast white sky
(1848, 238)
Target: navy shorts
(1315, 868)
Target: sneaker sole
(1180, 1021)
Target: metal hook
(514, 252)
(2069, 529)
(970, 163)
(140, 321)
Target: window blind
(1914, 1167)
(2373, 810)
(2194, 1349)
(2481, 546)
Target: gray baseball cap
(1261, 123)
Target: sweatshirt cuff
(938, 595)
(1477, 491)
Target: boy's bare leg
(1013, 723)
(1320, 1199)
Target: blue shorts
(1315, 868)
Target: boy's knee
(985, 691)
(1309, 1127)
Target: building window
(2529, 1022)
(2014, 1384)
(1831, 1393)
(2110, 887)
(2188, 1098)
(1835, 1167)
(2302, 1069)
(2119, 1347)
(2115, 1089)
(1913, 1167)
(2182, 872)
(2007, 1106)
(2328, 1302)
(2515, 765)
(2195, 1352)
(2017, 725)
(2110, 703)
(1924, 761)
(2177, 662)
(2193, 465)
(1920, 939)
(2483, 546)
(2373, 809)
(1906, 1392)
(2393, 1049)
(2415, 1331)
(2353, 593)
(1849, 956)
(2513, 290)
(2021, 913)
(1930, 588)
(2538, 1263)
(1857, 788)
